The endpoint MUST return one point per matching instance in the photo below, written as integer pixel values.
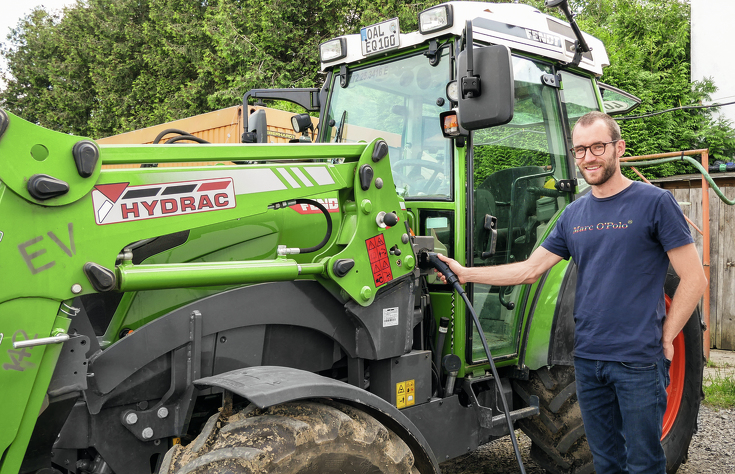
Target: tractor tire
(297, 437)
(559, 442)
(685, 389)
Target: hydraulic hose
(324, 210)
(185, 137)
(318, 205)
(692, 162)
(433, 260)
(169, 131)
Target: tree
(110, 67)
(648, 43)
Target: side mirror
(491, 100)
(257, 128)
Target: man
(622, 237)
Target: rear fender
(267, 386)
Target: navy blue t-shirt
(619, 244)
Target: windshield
(398, 101)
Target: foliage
(507, 147)
(719, 390)
(648, 43)
(108, 67)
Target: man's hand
(454, 266)
(527, 271)
(669, 351)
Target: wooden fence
(687, 190)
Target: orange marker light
(451, 127)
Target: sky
(14, 10)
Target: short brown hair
(591, 117)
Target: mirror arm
(580, 46)
(469, 43)
(308, 98)
(470, 85)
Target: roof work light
(435, 19)
(333, 50)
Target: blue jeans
(623, 407)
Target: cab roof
(520, 27)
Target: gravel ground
(494, 457)
(712, 450)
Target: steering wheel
(431, 185)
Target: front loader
(279, 313)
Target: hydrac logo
(120, 202)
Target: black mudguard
(267, 386)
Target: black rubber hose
(185, 137)
(168, 131)
(428, 336)
(454, 281)
(324, 210)
(443, 325)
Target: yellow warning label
(176, 440)
(405, 394)
(401, 395)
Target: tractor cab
(487, 196)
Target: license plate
(380, 37)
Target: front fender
(267, 386)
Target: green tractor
(280, 314)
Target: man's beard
(609, 167)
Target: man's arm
(518, 273)
(686, 263)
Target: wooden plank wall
(687, 191)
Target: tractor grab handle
(41, 341)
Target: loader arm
(67, 221)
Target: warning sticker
(120, 202)
(401, 395)
(405, 394)
(379, 263)
(390, 317)
(410, 392)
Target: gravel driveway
(712, 450)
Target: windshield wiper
(340, 128)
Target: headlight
(435, 19)
(453, 91)
(333, 50)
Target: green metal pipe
(692, 162)
(126, 154)
(187, 275)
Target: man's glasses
(597, 149)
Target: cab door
(514, 172)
